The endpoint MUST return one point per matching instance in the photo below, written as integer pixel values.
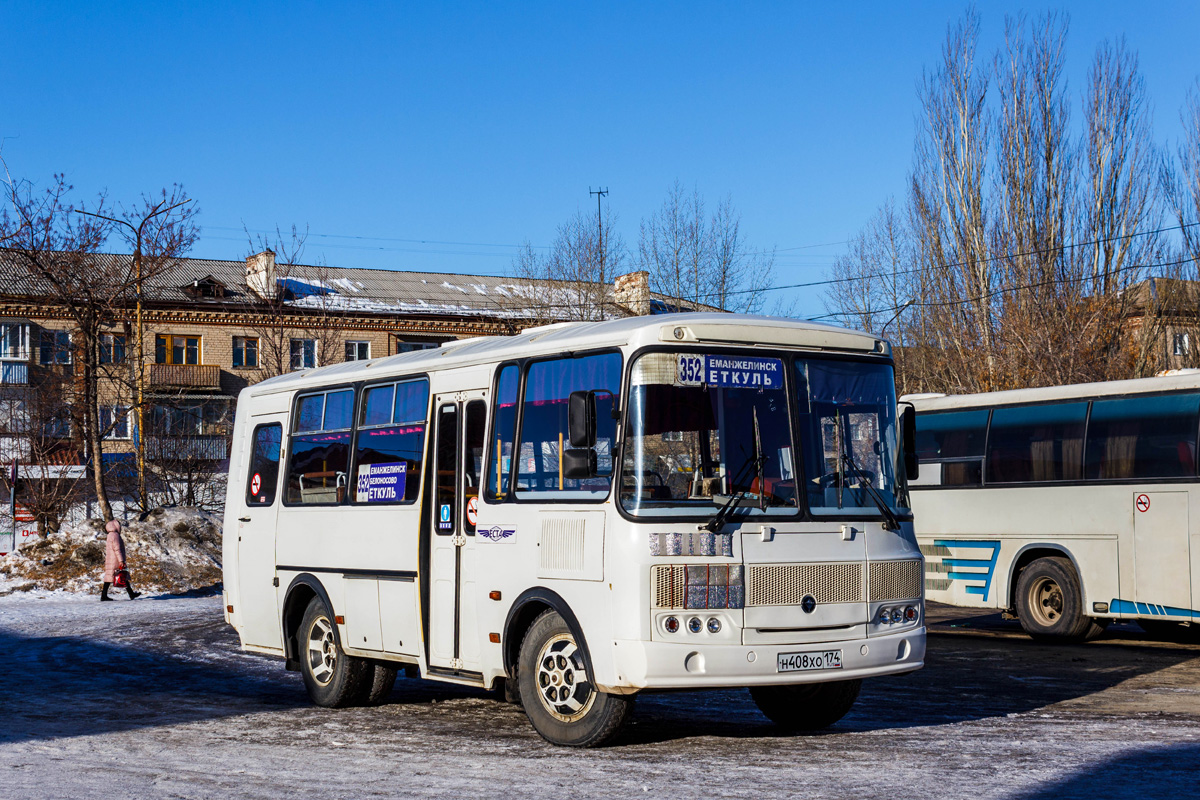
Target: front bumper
(685, 665)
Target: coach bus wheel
(807, 706)
(1050, 602)
(333, 679)
(557, 693)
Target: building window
(114, 422)
(112, 348)
(169, 349)
(304, 353)
(358, 351)
(408, 347)
(58, 426)
(1181, 344)
(14, 341)
(55, 348)
(245, 351)
(189, 419)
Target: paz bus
(581, 513)
(1066, 506)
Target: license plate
(800, 662)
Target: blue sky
(414, 126)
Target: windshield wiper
(714, 524)
(890, 521)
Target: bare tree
(700, 259)
(573, 281)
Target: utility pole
(599, 225)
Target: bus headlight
(714, 625)
(695, 625)
(910, 614)
(671, 624)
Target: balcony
(14, 373)
(188, 376)
(187, 448)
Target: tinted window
(473, 435)
(391, 443)
(447, 470)
(951, 434)
(1036, 443)
(548, 386)
(319, 462)
(264, 465)
(504, 427)
(1143, 437)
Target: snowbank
(174, 550)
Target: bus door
(257, 511)
(458, 467)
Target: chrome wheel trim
(322, 651)
(562, 682)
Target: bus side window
(391, 443)
(504, 430)
(473, 454)
(446, 466)
(544, 435)
(1143, 437)
(264, 465)
(319, 462)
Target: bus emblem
(498, 533)
(809, 604)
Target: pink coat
(114, 555)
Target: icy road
(153, 699)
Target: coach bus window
(474, 433)
(319, 460)
(390, 444)
(953, 439)
(1143, 437)
(264, 465)
(504, 429)
(548, 387)
(1036, 443)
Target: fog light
(910, 613)
(714, 625)
(695, 625)
(671, 624)
(897, 615)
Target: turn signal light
(494, 638)
(229, 609)
(339, 619)
(494, 595)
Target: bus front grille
(896, 580)
(788, 584)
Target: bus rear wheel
(558, 695)
(332, 678)
(806, 706)
(1050, 602)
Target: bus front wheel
(332, 678)
(807, 706)
(1050, 602)
(557, 693)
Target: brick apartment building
(210, 328)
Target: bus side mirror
(579, 463)
(908, 433)
(581, 419)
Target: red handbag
(121, 578)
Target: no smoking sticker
(472, 510)
(255, 484)
(1143, 502)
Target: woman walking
(114, 559)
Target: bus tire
(383, 680)
(557, 693)
(806, 706)
(332, 678)
(1050, 602)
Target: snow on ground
(172, 550)
(153, 698)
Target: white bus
(584, 512)
(1067, 506)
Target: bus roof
(564, 337)
(1174, 380)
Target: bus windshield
(708, 432)
(847, 412)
